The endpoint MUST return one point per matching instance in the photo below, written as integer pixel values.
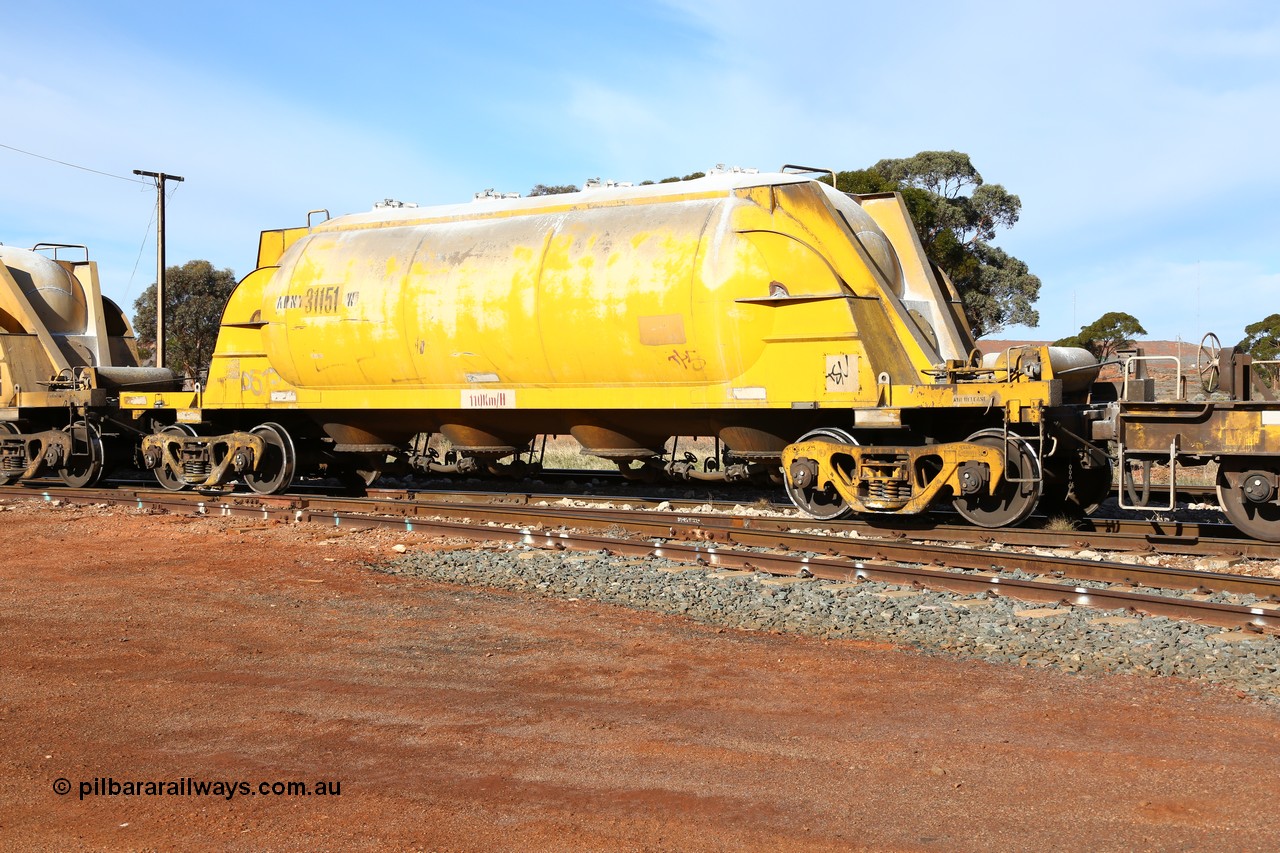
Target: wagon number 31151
(321, 300)
(318, 300)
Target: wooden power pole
(160, 178)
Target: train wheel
(276, 469)
(824, 504)
(1247, 495)
(12, 476)
(170, 479)
(84, 467)
(1012, 502)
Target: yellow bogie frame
(904, 480)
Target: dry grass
(564, 453)
(1199, 475)
(1062, 524)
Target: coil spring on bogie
(12, 463)
(193, 468)
(889, 490)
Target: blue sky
(1141, 137)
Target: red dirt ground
(156, 648)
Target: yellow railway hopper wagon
(801, 326)
(66, 354)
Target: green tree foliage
(689, 177)
(1262, 339)
(549, 189)
(195, 295)
(1107, 335)
(957, 214)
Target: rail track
(1149, 535)
(1137, 535)
(761, 543)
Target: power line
(73, 165)
(129, 290)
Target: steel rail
(1143, 536)
(773, 532)
(723, 531)
(1109, 534)
(1149, 535)
(1138, 535)
(714, 555)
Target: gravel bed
(1077, 640)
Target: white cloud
(252, 160)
